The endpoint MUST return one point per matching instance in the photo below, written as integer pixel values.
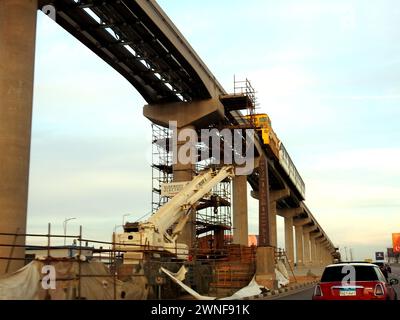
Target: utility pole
(347, 257)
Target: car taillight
(318, 291)
(379, 291)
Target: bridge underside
(122, 34)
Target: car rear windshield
(338, 273)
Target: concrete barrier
(275, 293)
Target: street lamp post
(65, 228)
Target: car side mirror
(394, 282)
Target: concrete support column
(307, 248)
(265, 267)
(184, 172)
(313, 251)
(275, 196)
(273, 231)
(327, 261)
(240, 215)
(289, 240)
(325, 254)
(299, 246)
(288, 215)
(17, 55)
(264, 230)
(329, 256)
(321, 254)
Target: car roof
(365, 264)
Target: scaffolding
(162, 171)
(214, 222)
(213, 214)
(244, 87)
(243, 99)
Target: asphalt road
(396, 274)
(307, 294)
(302, 295)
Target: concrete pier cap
(290, 213)
(196, 113)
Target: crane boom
(202, 184)
(153, 233)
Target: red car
(354, 281)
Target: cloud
(355, 195)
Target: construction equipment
(263, 127)
(160, 232)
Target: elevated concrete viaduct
(147, 49)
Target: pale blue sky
(328, 74)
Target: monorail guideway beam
(139, 41)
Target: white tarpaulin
(23, 284)
(98, 284)
(181, 274)
(281, 274)
(282, 269)
(189, 290)
(252, 289)
(282, 281)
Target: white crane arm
(181, 204)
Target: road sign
(396, 242)
(379, 256)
